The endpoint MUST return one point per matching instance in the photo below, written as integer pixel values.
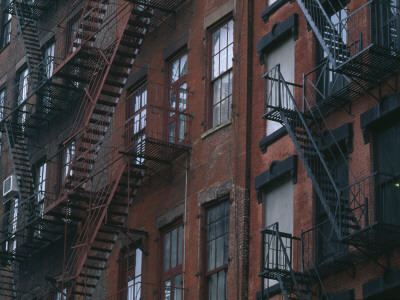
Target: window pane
(178, 285)
(211, 255)
(167, 289)
(167, 251)
(225, 86)
(215, 41)
(216, 66)
(223, 60)
(180, 235)
(224, 110)
(181, 135)
(173, 248)
(224, 36)
(219, 251)
(172, 103)
(220, 226)
(230, 32)
(212, 287)
(171, 136)
(183, 66)
(175, 71)
(216, 115)
(230, 83)
(182, 97)
(230, 56)
(217, 91)
(138, 262)
(226, 249)
(144, 97)
(221, 285)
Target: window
(177, 98)
(132, 273)
(22, 94)
(67, 155)
(48, 62)
(62, 295)
(2, 107)
(217, 245)
(11, 222)
(72, 28)
(6, 24)
(221, 71)
(138, 113)
(40, 187)
(387, 164)
(278, 207)
(172, 263)
(284, 56)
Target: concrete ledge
(219, 13)
(216, 128)
(170, 216)
(216, 192)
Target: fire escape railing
(363, 44)
(282, 260)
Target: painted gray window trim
(280, 30)
(277, 171)
(383, 113)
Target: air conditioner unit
(10, 186)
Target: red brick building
(126, 149)
(146, 143)
(325, 120)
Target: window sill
(216, 128)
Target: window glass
(177, 99)
(172, 255)
(222, 56)
(217, 239)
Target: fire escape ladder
(7, 281)
(85, 253)
(283, 108)
(18, 145)
(328, 34)
(27, 26)
(279, 263)
(103, 92)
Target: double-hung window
(172, 263)
(137, 120)
(66, 157)
(2, 103)
(6, 24)
(132, 273)
(221, 73)
(177, 99)
(40, 187)
(22, 95)
(217, 245)
(48, 61)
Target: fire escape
(362, 52)
(110, 159)
(101, 182)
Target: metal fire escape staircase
(101, 183)
(305, 130)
